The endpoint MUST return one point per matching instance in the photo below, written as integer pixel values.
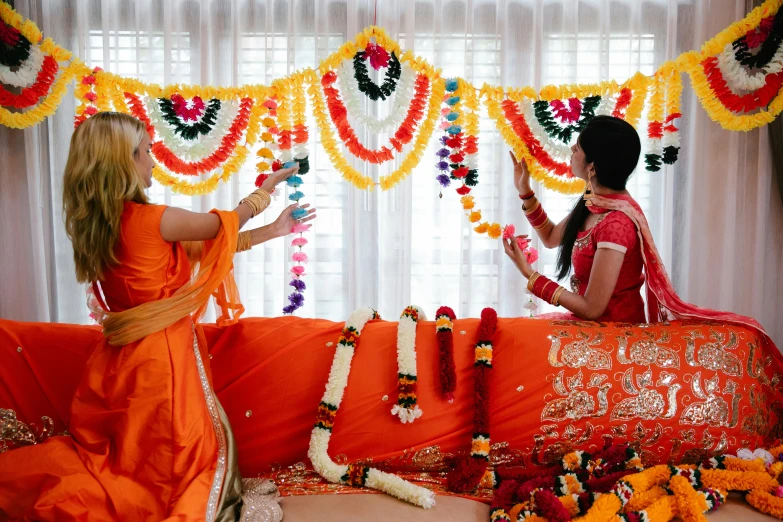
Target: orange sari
(148, 438)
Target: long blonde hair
(100, 176)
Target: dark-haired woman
(605, 239)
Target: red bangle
(527, 196)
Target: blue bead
(451, 85)
(299, 213)
(452, 116)
(453, 100)
(294, 181)
(296, 196)
(289, 164)
(454, 129)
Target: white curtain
(716, 215)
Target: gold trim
(211, 403)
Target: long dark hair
(612, 145)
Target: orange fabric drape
(213, 277)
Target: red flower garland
(445, 335)
(403, 135)
(623, 101)
(137, 109)
(469, 470)
(30, 95)
(228, 144)
(734, 102)
(521, 129)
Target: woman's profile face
(578, 164)
(143, 160)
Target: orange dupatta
(214, 277)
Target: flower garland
(541, 140)
(711, 75)
(410, 161)
(176, 113)
(406, 408)
(289, 138)
(363, 81)
(468, 471)
(200, 147)
(353, 474)
(31, 94)
(444, 331)
(402, 136)
(353, 104)
(86, 92)
(460, 158)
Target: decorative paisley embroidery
(577, 403)
(648, 351)
(579, 353)
(714, 355)
(646, 403)
(713, 410)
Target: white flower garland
(406, 408)
(403, 94)
(203, 146)
(333, 396)
(27, 72)
(737, 76)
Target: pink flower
(298, 270)
(300, 228)
(379, 57)
(444, 111)
(779, 491)
(299, 242)
(508, 231)
(445, 124)
(531, 254)
(91, 96)
(299, 257)
(88, 80)
(270, 104)
(90, 111)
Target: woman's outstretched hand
(285, 221)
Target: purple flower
(444, 139)
(443, 153)
(442, 165)
(444, 180)
(296, 299)
(298, 284)
(289, 309)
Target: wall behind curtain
(716, 215)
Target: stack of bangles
(243, 241)
(537, 217)
(544, 288)
(257, 201)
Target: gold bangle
(243, 241)
(526, 211)
(556, 296)
(545, 225)
(257, 201)
(532, 280)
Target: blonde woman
(148, 438)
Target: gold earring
(588, 195)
